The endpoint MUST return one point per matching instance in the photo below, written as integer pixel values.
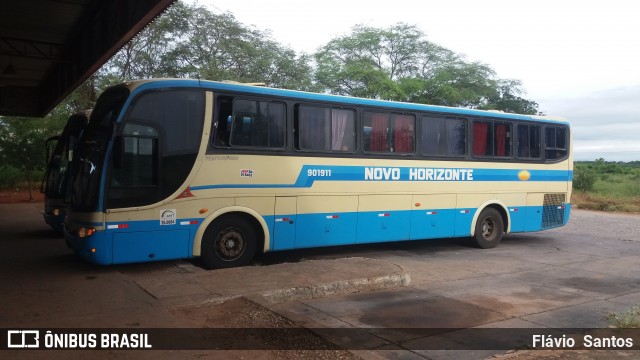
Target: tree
(378, 63)
(507, 98)
(191, 41)
(22, 140)
(458, 84)
(218, 47)
(151, 53)
(22, 143)
(584, 179)
(84, 97)
(399, 63)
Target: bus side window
(443, 136)
(388, 133)
(222, 123)
(555, 138)
(492, 139)
(325, 129)
(258, 124)
(528, 141)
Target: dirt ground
(244, 313)
(14, 196)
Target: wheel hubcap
(230, 244)
(488, 227)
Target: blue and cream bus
(55, 184)
(173, 169)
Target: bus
(59, 154)
(178, 168)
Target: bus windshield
(85, 189)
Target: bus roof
(141, 85)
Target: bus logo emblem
(23, 339)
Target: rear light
(85, 232)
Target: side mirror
(49, 145)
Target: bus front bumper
(55, 221)
(94, 248)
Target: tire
(229, 242)
(489, 229)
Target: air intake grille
(553, 210)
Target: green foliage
(507, 98)
(10, 176)
(22, 144)
(377, 63)
(459, 84)
(616, 188)
(626, 320)
(191, 41)
(151, 53)
(399, 63)
(584, 179)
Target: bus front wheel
(229, 242)
(489, 229)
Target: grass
(616, 188)
(605, 203)
(626, 320)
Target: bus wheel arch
(248, 216)
(490, 223)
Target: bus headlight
(84, 232)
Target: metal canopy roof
(49, 47)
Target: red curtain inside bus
(379, 128)
(501, 139)
(480, 138)
(403, 134)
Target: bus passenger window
(555, 138)
(388, 133)
(503, 140)
(403, 133)
(482, 139)
(528, 141)
(492, 139)
(443, 136)
(222, 126)
(257, 124)
(325, 129)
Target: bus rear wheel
(229, 242)
(489, 229)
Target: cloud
(604, 123)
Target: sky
(577, 59)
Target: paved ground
(571, 277)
